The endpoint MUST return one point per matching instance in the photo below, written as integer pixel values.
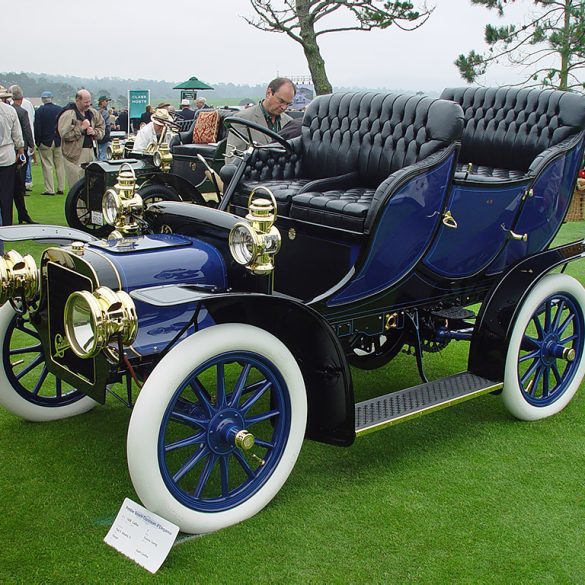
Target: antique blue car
(384, 225)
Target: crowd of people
(66, 138)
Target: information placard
(141, 535)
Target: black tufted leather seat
(182, 143)
(509, 132)
(352, 155)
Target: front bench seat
(510, 134)
(341, 169)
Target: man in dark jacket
(49, 144)
(29, 143)
(122, 120)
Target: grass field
(466, 495)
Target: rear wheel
(27, 389)
(217, 427)
(78, 213)
(545, 363)
(372, 352)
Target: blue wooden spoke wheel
(27, 389)
(545, 363)
(217, 427)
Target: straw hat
(161, 115)
(4, 93)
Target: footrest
(377, 413)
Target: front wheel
(27, 389)
(217, 427)
(545, 362)
(78, 213)
(155, 193)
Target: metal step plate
(377, 413)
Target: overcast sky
(209, 39)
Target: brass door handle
(449, 221)
(514, 236)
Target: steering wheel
(247, 137)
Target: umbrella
(193, 83)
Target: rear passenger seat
(512, 133)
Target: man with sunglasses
(269, 113)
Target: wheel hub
(226, 433)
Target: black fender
(316, 348)
(495, 321)
(184, 188)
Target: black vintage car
(173, 173)
(384, 224)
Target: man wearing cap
(80, 127)
(49, 144)
(153, 131)
(186, 112)
(11, 147)
(103, 110)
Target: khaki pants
(73, 170)
(52, 160)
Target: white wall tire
(539, 381)
(27, 389)
(261, 378)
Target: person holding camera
(80, 127)
(11, 148)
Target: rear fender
(491, 336)
(315, 347)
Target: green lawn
(466, 495)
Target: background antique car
(396, 216)
(179, 175)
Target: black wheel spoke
(28, 349)
(58, 387)
(40, 381)
(30, 367)
(559, 311)
(190, 463)
(28, 331)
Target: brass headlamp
(162, 157)
(18, 275)
(114, 150)
(254, 243)
(122, 206)
(92, 320)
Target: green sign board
(138, 99)
(188, 94)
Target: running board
(390, 409)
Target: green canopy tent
(189, 88)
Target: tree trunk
(565, 48)
(311, 49)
